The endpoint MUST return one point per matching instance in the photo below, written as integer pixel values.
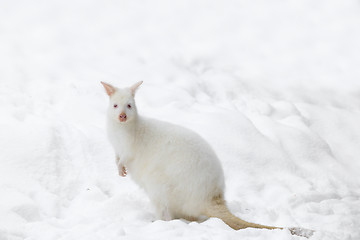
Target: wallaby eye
(129, 106)
(115, 105)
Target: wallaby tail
(219, 209)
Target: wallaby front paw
(122, 171)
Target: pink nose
(122, 117)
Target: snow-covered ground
(274, 86)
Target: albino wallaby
(175, 166)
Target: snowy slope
(274, 86)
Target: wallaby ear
(134, 87)
(110, 90)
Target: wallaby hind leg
(164, 214)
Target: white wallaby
(175, 166)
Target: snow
(274, 87)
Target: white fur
(175, 166)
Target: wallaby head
(122, 108)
